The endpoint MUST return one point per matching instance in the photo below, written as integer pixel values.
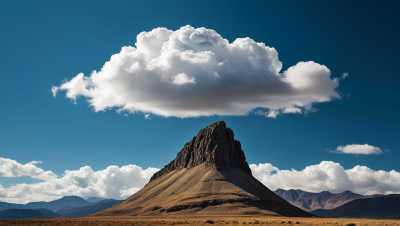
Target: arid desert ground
(198, 220)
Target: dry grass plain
(197, 220)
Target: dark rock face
(213, 145)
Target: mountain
(384, 207)
(209, 176)
(26, 213)
(68, 206)
(6, 205)
(65, 211)
(87, 210)
(309, 201)
(48, 213)
(320, 212)
(65, 202)
(95, 199)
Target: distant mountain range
(309, 201)
(95, 199)
(27, 213)
(6, 205)
(87, 210)
(68, 206)
(66, 202)
(384, 207)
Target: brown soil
(197, 220)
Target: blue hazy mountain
(87, 210)
(95, 199)
(6, 205)
(65, 202)
(48, 213)
(27, 213)
(384, 207)
(321, 212)
(68, 206)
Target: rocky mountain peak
(215, 146)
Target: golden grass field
(197, 220)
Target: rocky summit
(214, 145)
(209, 176)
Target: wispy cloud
(356, 149)
(345, 75)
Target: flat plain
(198, 220)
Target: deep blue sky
(43, 42)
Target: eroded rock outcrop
(214, 145)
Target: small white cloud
(35, 162)
(54, 90)
(344, 76)
(147, 116)
(182, 78)
(126, 115)
(356, 149)
(292, 110)
(272, 114)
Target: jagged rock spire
(213, 145)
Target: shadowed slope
(27, 213)
(385, 207)
(210, 176)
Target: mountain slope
(95, 199)
(6, 205)
(324, 200)
(68, 206)
(87, 210)
(209, 176)
(66, 202)
(48, 213)
(25, 214)
(63, 212)
(320, 212)
(385, 207)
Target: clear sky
(47, 43)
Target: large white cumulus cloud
(120, 182)
(329, 176)
(12, 168)
(195, 72)
(113, 182)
